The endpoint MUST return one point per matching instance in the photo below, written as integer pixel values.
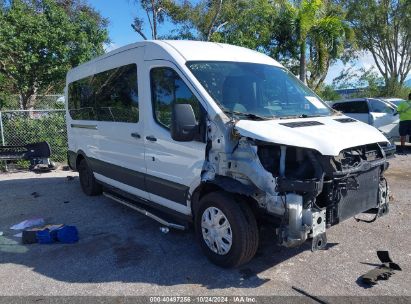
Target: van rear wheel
(226, 229)
(88, 183)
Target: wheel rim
(216, 230)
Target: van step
(144, 211)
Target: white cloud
(365, 60)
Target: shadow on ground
(404, 150)
(116, 243)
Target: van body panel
(168, 160)
(328, 138)
(120, 145)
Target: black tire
(88, 183)
(244, 229)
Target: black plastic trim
(181, 218)
(345, 120)
(299, 124)
(71, 159)
(173, 191)
(118, 173)
(170, 190)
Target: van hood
(328, 135)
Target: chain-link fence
(20, 127)
(43, 102)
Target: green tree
(328, 93)
(155, 11)
(383, 28)
(321, 34)
(307, 36)
(6, 98)
(250, 24)
(368, 80)
(200, 20)
(41, 40)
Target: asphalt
(123, 253)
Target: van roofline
(192, 51)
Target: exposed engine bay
(306, 191)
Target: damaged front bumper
(300, 190)
(334, 190)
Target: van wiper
(306, 116)
(247, 115)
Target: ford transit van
(221, 138)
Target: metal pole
(2, 136)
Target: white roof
(193, 51)
(212, 51)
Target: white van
(221, 137)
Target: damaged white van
(221, 137)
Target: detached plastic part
(37, 153)
(382, 272)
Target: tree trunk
(213, 22)
(28, 99)
(392, 86)
(303, 63)
(154, 8)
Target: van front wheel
(226, 229)
(88, 183)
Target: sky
(121, 14)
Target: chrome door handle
(135, 135)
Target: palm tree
(321, 34)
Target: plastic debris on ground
(164, 230)
(51, 234)
(382, 272)
(35, 194)
(1, 233)
(28, 223)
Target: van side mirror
(184, 125)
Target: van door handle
(151, 138)
(135, 135)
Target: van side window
(168, 88)
(108, 96)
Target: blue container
(46, 236)
(67, 234)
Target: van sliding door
(117, 105)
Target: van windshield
(257, 91)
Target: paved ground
(124, 253)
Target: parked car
(375, 112)
(221, 137)
(395, 102)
